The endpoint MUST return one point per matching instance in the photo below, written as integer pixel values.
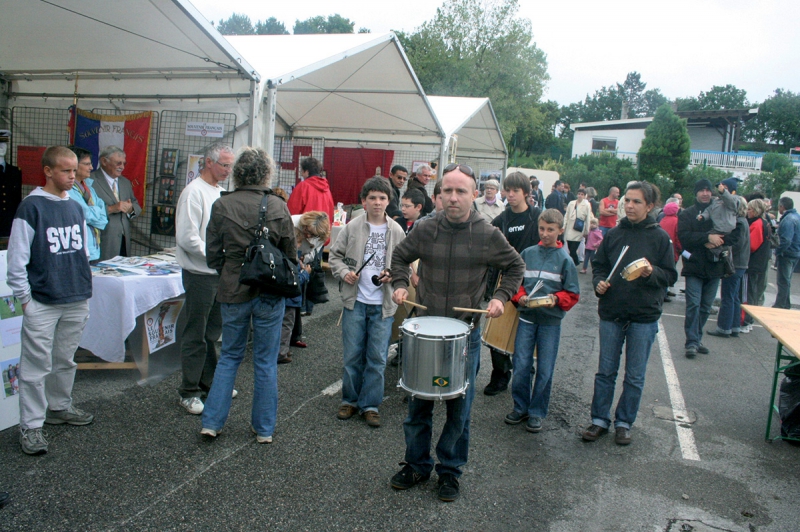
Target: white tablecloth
(114, 306)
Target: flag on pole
(95, 132)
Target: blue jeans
(545, 338)
(266, 312)
(730, 308)
(587, 257)
(638, 339)
(365, 335)
(700, 294)
(453, 446)
(604, 230)
(785, 269)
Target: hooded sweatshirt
(311, 194)
(669, 223)
(639, 300)
(455, 258)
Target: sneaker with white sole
(261, 439)
(70, 416)
(746, 329)
(33, 441)
(211, 433)
(234, 394)
(193, 405)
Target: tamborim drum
(434, 362)
(536, 302)
(499, 333)
(635, 269)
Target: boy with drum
(359, 259)
(549, 290)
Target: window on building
(604, 144)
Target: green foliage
(364, 30)
(482, 49)
(236, 24)
(599, 171)
(665, 149)
(718, 98)
(271, 26)
(778, 121)
(776, 177)
(333, 24)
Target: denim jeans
(700, 294)
(730, 308)
(365, 335)
(266, 312)
(638, 339)
(587, 258)
(545, 338)
(453, 446)
(785, 270)
(604, 230)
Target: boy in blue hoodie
(540, 328)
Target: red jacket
(669, 223)
(311, 194)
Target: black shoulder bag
(265, 266)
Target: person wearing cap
(489, 205)
(701, 272)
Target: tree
(271, 26)
(718, 98)
(236, 24)
(778, 121)
(333, 24)
(481, 49)
(777, 174)
(665, 148)
(364, 30)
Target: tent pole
(252, 111)
(272, 93)
(442, 158)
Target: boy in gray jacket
(359, 259)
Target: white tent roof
(136, 47)
(473, 122)
(342, 87)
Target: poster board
(9, 353)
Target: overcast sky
(681, 47)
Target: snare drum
(536, 302)
(499, 333)
(434, 357)
(635, 269)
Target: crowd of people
(511, 248)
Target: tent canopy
(471, 121)
(132, 48)
(353, 88)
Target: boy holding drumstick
(549, 271)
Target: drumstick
(407, 302)
(366, 262)
(624, 250)
(539, 284)
(475, 310)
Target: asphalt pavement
(142, 464)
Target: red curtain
(349, 168)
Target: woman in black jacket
(629, 310)
(760, 252)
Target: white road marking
(685, 435)
(333, 389)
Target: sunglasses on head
(463, 168)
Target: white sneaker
(261, 439)
(211, 433)
(193, 405)
(746, 329)
(234, 394)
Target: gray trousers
(200, 333)
(50, 336)
(756, 286)
(288, 334)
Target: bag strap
(262, 216)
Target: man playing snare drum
(455, 249)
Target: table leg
(776, 373)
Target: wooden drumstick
(475, 310)
(407, 302)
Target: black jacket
(555, 201)
(759, 259)
(639, 300)
(393, 209)
(693, 235)
(415, 183)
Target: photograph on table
(163, 220)
(169, 162)
(10, 369)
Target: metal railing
(722, 159)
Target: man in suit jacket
(117, 193)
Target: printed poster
(205, 129)
(10, 369)
(161, 323)
(10, 320)
(193, 167)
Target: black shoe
(703, 350)
(691, 352)
(667, 299)
(670, 293)
(720, 334)
(734, 334)
(498, 383)
(408, 478)
(593, 432)
(448, 487)
(515, 418)
(5, 498)
(623, 436)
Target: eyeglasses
(225, 166)
(463, 168)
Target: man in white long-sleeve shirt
(204, 320)
(48, 271)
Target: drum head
(435, 327)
